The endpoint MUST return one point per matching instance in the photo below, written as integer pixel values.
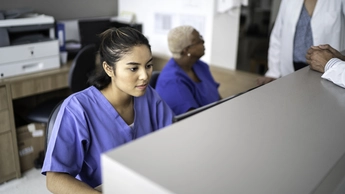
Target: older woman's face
(196, 48)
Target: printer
(27, 43)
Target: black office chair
(82, 68)
(83, 65)
(51, 121)
(154, 78)
(49, 128)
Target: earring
(188, 54)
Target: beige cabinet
(28, 89)
(9, 159)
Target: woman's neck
(310, 6)
(116, 97)
(123, 103)
(186, 65)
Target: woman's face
(196, 48)
(133, 71)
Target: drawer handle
(32, 67)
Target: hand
(336, 53)
(264, 80)
(317, 57)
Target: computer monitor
(200, 109)
(89, 29)
(118, 24)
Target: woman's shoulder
(170, 65)
(201, 65)
(171, 72)
(85, 96)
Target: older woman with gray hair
(186, 82)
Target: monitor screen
(118, 24)
(89, 29)
(200, 109)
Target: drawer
(8, 158)
(39, 85)
(4, 120)
(3, 99)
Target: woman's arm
(62, 183)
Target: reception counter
(285, 137)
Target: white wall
(225, 39)
(220, 31)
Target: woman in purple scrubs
(119, 107)
(186, 82)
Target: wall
(225, 39)
(66, 9)
(220, 31)
(158, 17)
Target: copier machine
(27, 44)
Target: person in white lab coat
(330, 62)
(299, 25)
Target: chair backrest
(154, 78)
(82, 67)
(51, 122)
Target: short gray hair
(178, 39)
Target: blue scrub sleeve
(179, 97)
(67, 144)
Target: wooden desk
(14, 88)
(233, 81)
(284, 137)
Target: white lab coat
(327, 24)
(335, 72)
